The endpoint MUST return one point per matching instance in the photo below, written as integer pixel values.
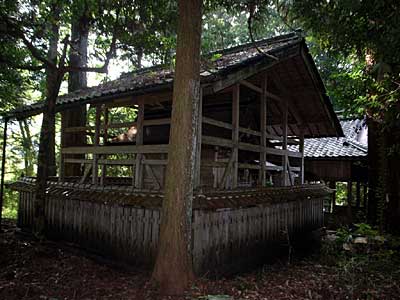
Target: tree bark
(46, 157)
(173, 269)
(76, 80)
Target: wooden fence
(222, 238)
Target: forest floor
(50, 270)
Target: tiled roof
(354, 144)
(214, 66)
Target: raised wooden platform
(229, 228)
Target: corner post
(301, 149)
(95, 167)
(3, 169)
(235, 134)
(197, 175)
(61, 174)
(284, 143)
(263, 129)
(139, 141)
(105, 138)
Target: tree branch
(17, 32)
(11, 64)
(249, 26)
(109, 56)
(64, 52)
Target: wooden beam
(227, 170)
(251, 86)
(229, 126)
(124, 149)
(163, 121)
(139, 141)
(249, 166)
(149, 170)
(263, 129)
(293, 110)
(235, 133)
(221, 142)
(247, 72)
(3, 169)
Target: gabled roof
(215, 65)
(353, 145)
(219, 70)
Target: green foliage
(341, 193)
(226, 25)
(365, 230)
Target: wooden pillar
(95, 167)
(197, 174)
(3, 169)
(105, 138)
(349, 193)
(139, 141)
(365, 196)
(358, 194)
(301, 149)
(263, 129)
(284, 143)
(332, 185)
(235, 133)
(61, 171)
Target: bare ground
(49, 270)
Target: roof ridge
(288, 36)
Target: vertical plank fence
(223, 239)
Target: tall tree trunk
(46, 156)
(173, 269)
(373, 167)
(76, 80)
(27, 146)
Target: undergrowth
(365, 260)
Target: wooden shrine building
(341, 161)
(249, 186)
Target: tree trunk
(46, 157)
(393, 176)
(173, 269)
(27, 147)
(76, 80)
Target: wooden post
(284, 144)
(301, 149)
(235, 133)
(139, 141)
(349, 193)
(365, 196)
(197, 174)
(332, 185)
(263, 128)
(105, 138)
(3, 170)
(61, 173)
(95, 168)
(358, 195)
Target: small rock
(360, 240)
(347, 247)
